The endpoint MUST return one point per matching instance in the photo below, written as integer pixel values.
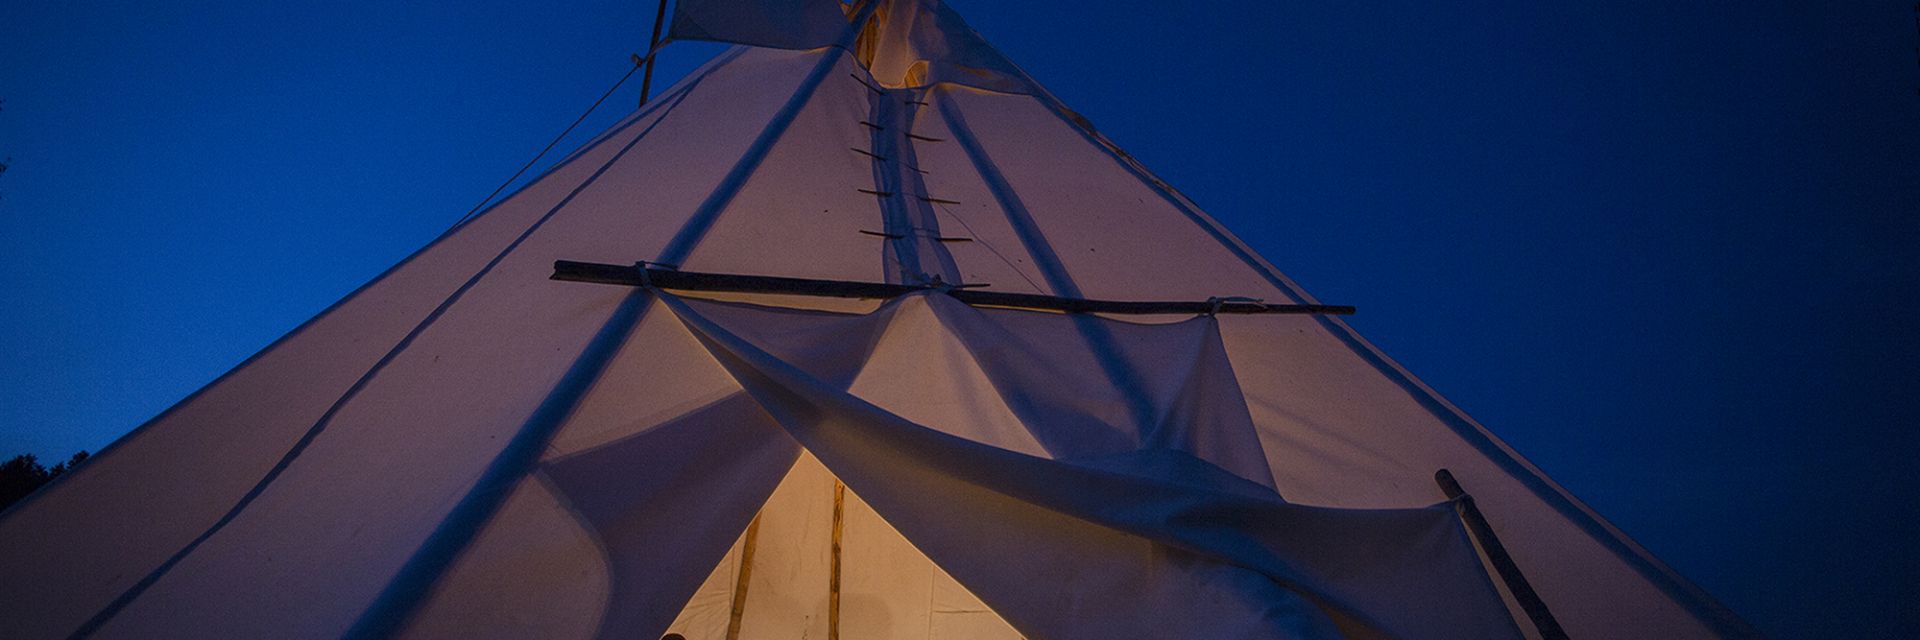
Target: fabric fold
(1190, 549)
(667, 503)
(1093, 387)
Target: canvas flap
(1052, 543)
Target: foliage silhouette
(24, 474)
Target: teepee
(855, 332)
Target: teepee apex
(906, 43)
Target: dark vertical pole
(1517, 584)
(833, 582)
(646, 77)
(745, 578)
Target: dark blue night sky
(1667, 250)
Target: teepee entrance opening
(818, 562)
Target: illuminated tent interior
(802, 348)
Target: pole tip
(1447, 484)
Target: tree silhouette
(23, 474)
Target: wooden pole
(649, 276)
(833, 586)
(1503, 564)
(653, 45)
(738, 611)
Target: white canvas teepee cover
(465, 448)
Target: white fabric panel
(1092, 223)
(787, 590)
(801, 212)
(960, 615)
(391, 466)
(892, 591)
(836, 346)
(886, 588)
(921, 371)
(1146, 528)
(660, 374)
(645, 202)
(534, 573)
(1105, 387)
